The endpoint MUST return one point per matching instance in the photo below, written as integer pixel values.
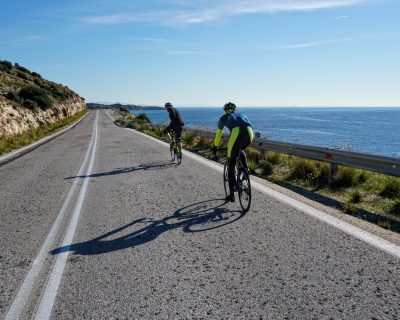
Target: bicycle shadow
(200, 216)
(148, 166)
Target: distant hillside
(28, 100)
(131, 107)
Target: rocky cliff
(27, 100)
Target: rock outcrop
(27, 100)
(18, 120)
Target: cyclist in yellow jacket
(241, 136)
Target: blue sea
(368, 130)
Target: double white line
(47, 301)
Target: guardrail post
(258, 136)
(332, 170)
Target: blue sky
(206, 52)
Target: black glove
(214, 150)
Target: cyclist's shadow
(146, 167)
(197, 217)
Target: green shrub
(160, 132)
(30, 104)
(305, 170)
(203, 143)
(131, 125)
(6, 65)
(273, 157)
(323, 173)
(266, 168)
(189, 138)
(253, 155)
(38, 82)
(59, 94)
(22, 75)
(345, 177)
(396, 208)
(362, 178)
(143, 117)
(37, 75)
(12, 96)
(384, 224)
(252, 166)
(20, 68)
(37, 95)
(391, 189)
(355, 197)
(349, 208)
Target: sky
(208, 52)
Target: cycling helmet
(168, 105)
(229, 107)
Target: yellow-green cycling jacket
(234, 122)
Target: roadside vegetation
(354, 191)
(23, 88)
(9, 143)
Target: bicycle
(175, 148)
(242, 182)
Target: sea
(367, 130)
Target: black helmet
(168, 105)
(229, 107)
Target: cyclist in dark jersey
(176, 123)
(241, 136)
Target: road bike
(242, 182)
(175, 148)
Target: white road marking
(109, 116)
(348, 228)
(27, 286)
(48, 298)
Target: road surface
(99, 224)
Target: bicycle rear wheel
(179, 155)
(172, 152)
(244, 189)
(226, 183)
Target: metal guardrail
(334, 157)
(381, 164)
(369, 162)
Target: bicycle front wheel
(172, 152)
(226, 183)
(244, 190)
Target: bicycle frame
(241, 175)
(175, 147)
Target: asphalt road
(154, 240)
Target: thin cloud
(314, 43)
(27, 40)
(186, 52)
(156, 40)
(207, 11)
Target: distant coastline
(130, 107)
